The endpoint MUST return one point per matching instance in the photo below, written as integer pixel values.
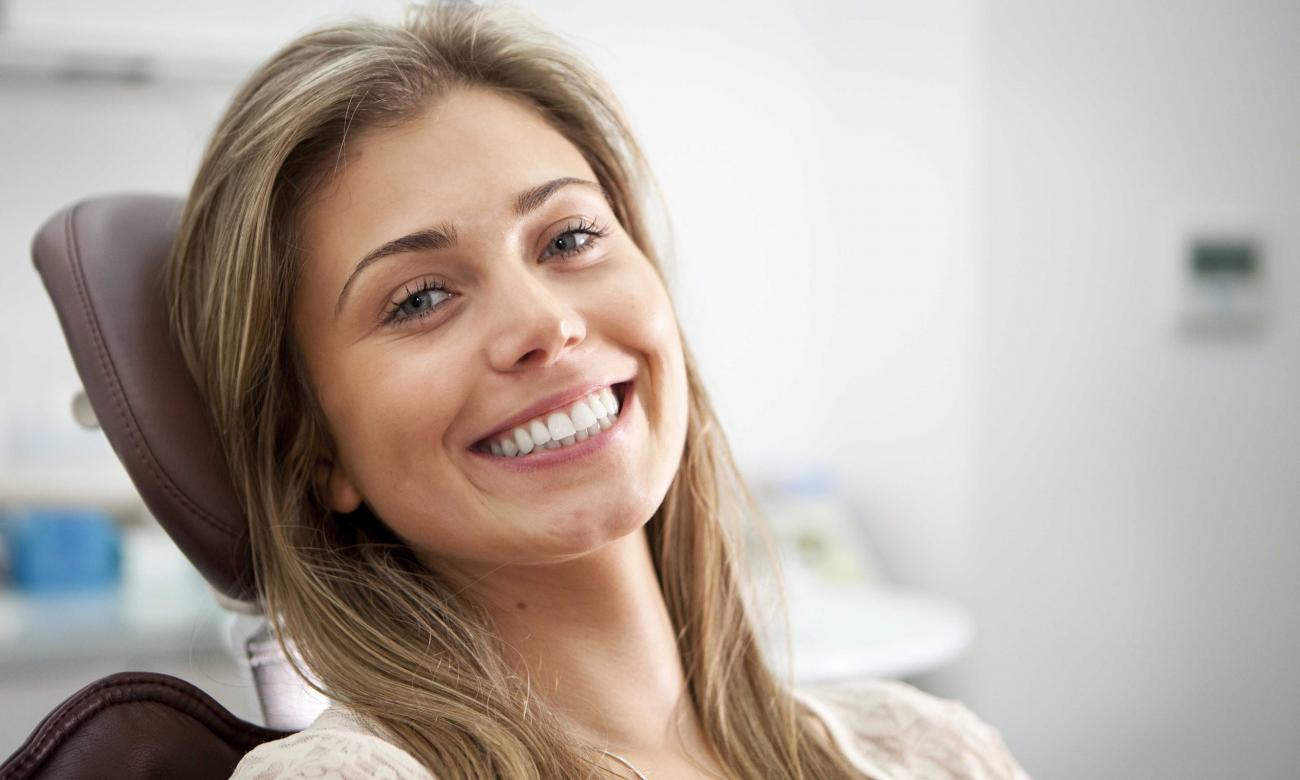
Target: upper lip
(552, 402)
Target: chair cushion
(136, 725)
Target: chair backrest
(132, 726)
(102, 261)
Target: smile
(588, 417)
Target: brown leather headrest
(102, 261)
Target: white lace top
(887, 729)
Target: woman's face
(466, 283)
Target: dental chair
(102, 263)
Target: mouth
(568, 425)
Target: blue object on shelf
(62, 550)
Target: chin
(583, 531)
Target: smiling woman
(490, 505)
(447, 338)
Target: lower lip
(545, 459)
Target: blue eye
(417, 303)
(575, 240)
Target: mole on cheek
(521, 605)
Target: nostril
(531, 355)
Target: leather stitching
(120, 404)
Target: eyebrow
(444, 236)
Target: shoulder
(899, 731)
(334, 747)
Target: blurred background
(1020, 279)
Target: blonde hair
(393, 641)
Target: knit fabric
(889, 730)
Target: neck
(594, 638)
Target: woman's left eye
(575, 239)
(417, 304)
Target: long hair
(409, 653)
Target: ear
(333, 483)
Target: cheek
(657, 326)
(639, 312)
(391, 413)
(644, 321)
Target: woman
(490, 505)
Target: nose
(536, 326)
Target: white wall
(1141, 492)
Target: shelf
(104, 485)
(161, 607)
(123, 623)
(79, 56)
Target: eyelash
(394, 317)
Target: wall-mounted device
(1214, 279)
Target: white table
(845, 632)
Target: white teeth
(582, 416)
(540, 433)
(523, 441)
(583, 419)
(559, 425)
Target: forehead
(461, 161)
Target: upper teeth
(585, 417)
